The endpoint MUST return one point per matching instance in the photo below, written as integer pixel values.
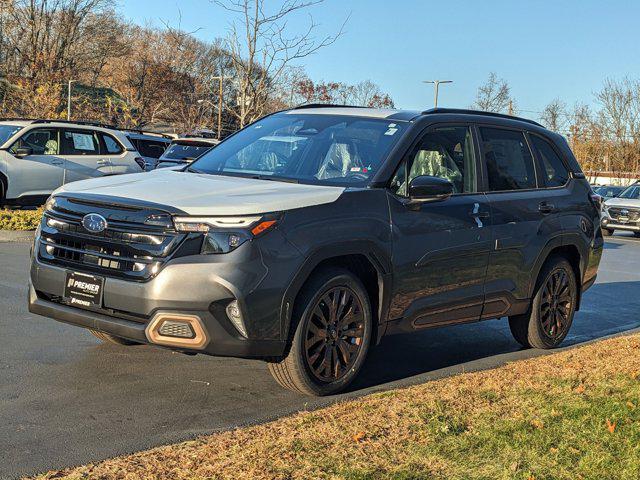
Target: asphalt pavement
(67, 399)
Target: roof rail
(16, 119)
(77, 122)
(324, 105)
(479, 112)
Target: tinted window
(111, 144)
(79, 142)
(446, 153)
(553, 170)
(508, 159)
(318, 149)
(150, 148)
(42, 141)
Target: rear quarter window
(554, 171)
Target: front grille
(632, 214)
(128, 248)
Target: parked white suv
(622, 212)
(38, 156)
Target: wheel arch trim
(375, 255)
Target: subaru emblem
(94, 223)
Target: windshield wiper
(272, 178)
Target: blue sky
(543, 48)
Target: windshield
(184, 151)
(7, 131)
(632, 192)
(322, 149)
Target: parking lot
(66, 399)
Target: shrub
(20, 219)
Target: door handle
(479, 214)
(103, 162)
(56, 162)
(545, 207)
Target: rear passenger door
(81, 150)
(522, 217)
(440, 248)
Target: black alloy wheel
(334, 334)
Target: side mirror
(428, 189)
(23, 152)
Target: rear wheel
(607, 232)
(332, 336)
(108, 338)
(550, 315)
(636, 234)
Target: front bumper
(612, 224)
(195, 286)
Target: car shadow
(438, 352)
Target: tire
(550, 314)
(322, 337)
(107, 338)
(636, 234)
(607, 232)
(2, 192)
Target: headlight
(224, 234)
(50, 203)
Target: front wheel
(332, 335)
(550, 315)
(636, 234)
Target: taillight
(140, 161)
(597, 201)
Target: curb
(16, 236)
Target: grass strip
(571, 415)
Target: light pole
(220, 79)
(436, 84)
(69, 100)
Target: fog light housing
(171, 328)
(235, 315)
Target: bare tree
(554, 115)
(619, 121)
(494, 96)
(261, 50)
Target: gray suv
(308, 236)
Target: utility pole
(436, 84)
(510, 107)
(69, 100)
(220, 80)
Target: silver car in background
(622, 212)
(38, 156)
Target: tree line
(604, 137)
(135, 77)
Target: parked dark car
(311, 234)
(150, 145)
(608, 191)
(185, 150)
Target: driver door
(40, 172)
(440, 248)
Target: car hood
(623, 202)
(201, 194)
